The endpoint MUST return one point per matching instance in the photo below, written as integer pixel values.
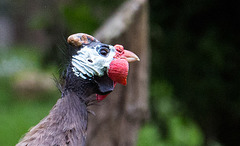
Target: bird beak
(129, 56)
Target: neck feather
(66, 124)
(83, 87)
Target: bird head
(101, 63)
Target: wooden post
(120, 116)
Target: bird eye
(104, 51)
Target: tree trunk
(119, 117)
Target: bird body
(89, 72)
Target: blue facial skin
(92, 60)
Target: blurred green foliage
(79, 16)
(19, 112)
(169, 126)
(195, 48)
(18, 59)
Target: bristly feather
(67, 51)
(57, 83)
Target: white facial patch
(88, 62)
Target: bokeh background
(195, 66)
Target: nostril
(90, 60)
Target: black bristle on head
(67, 51)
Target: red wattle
(118, 71)
(101, 97)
